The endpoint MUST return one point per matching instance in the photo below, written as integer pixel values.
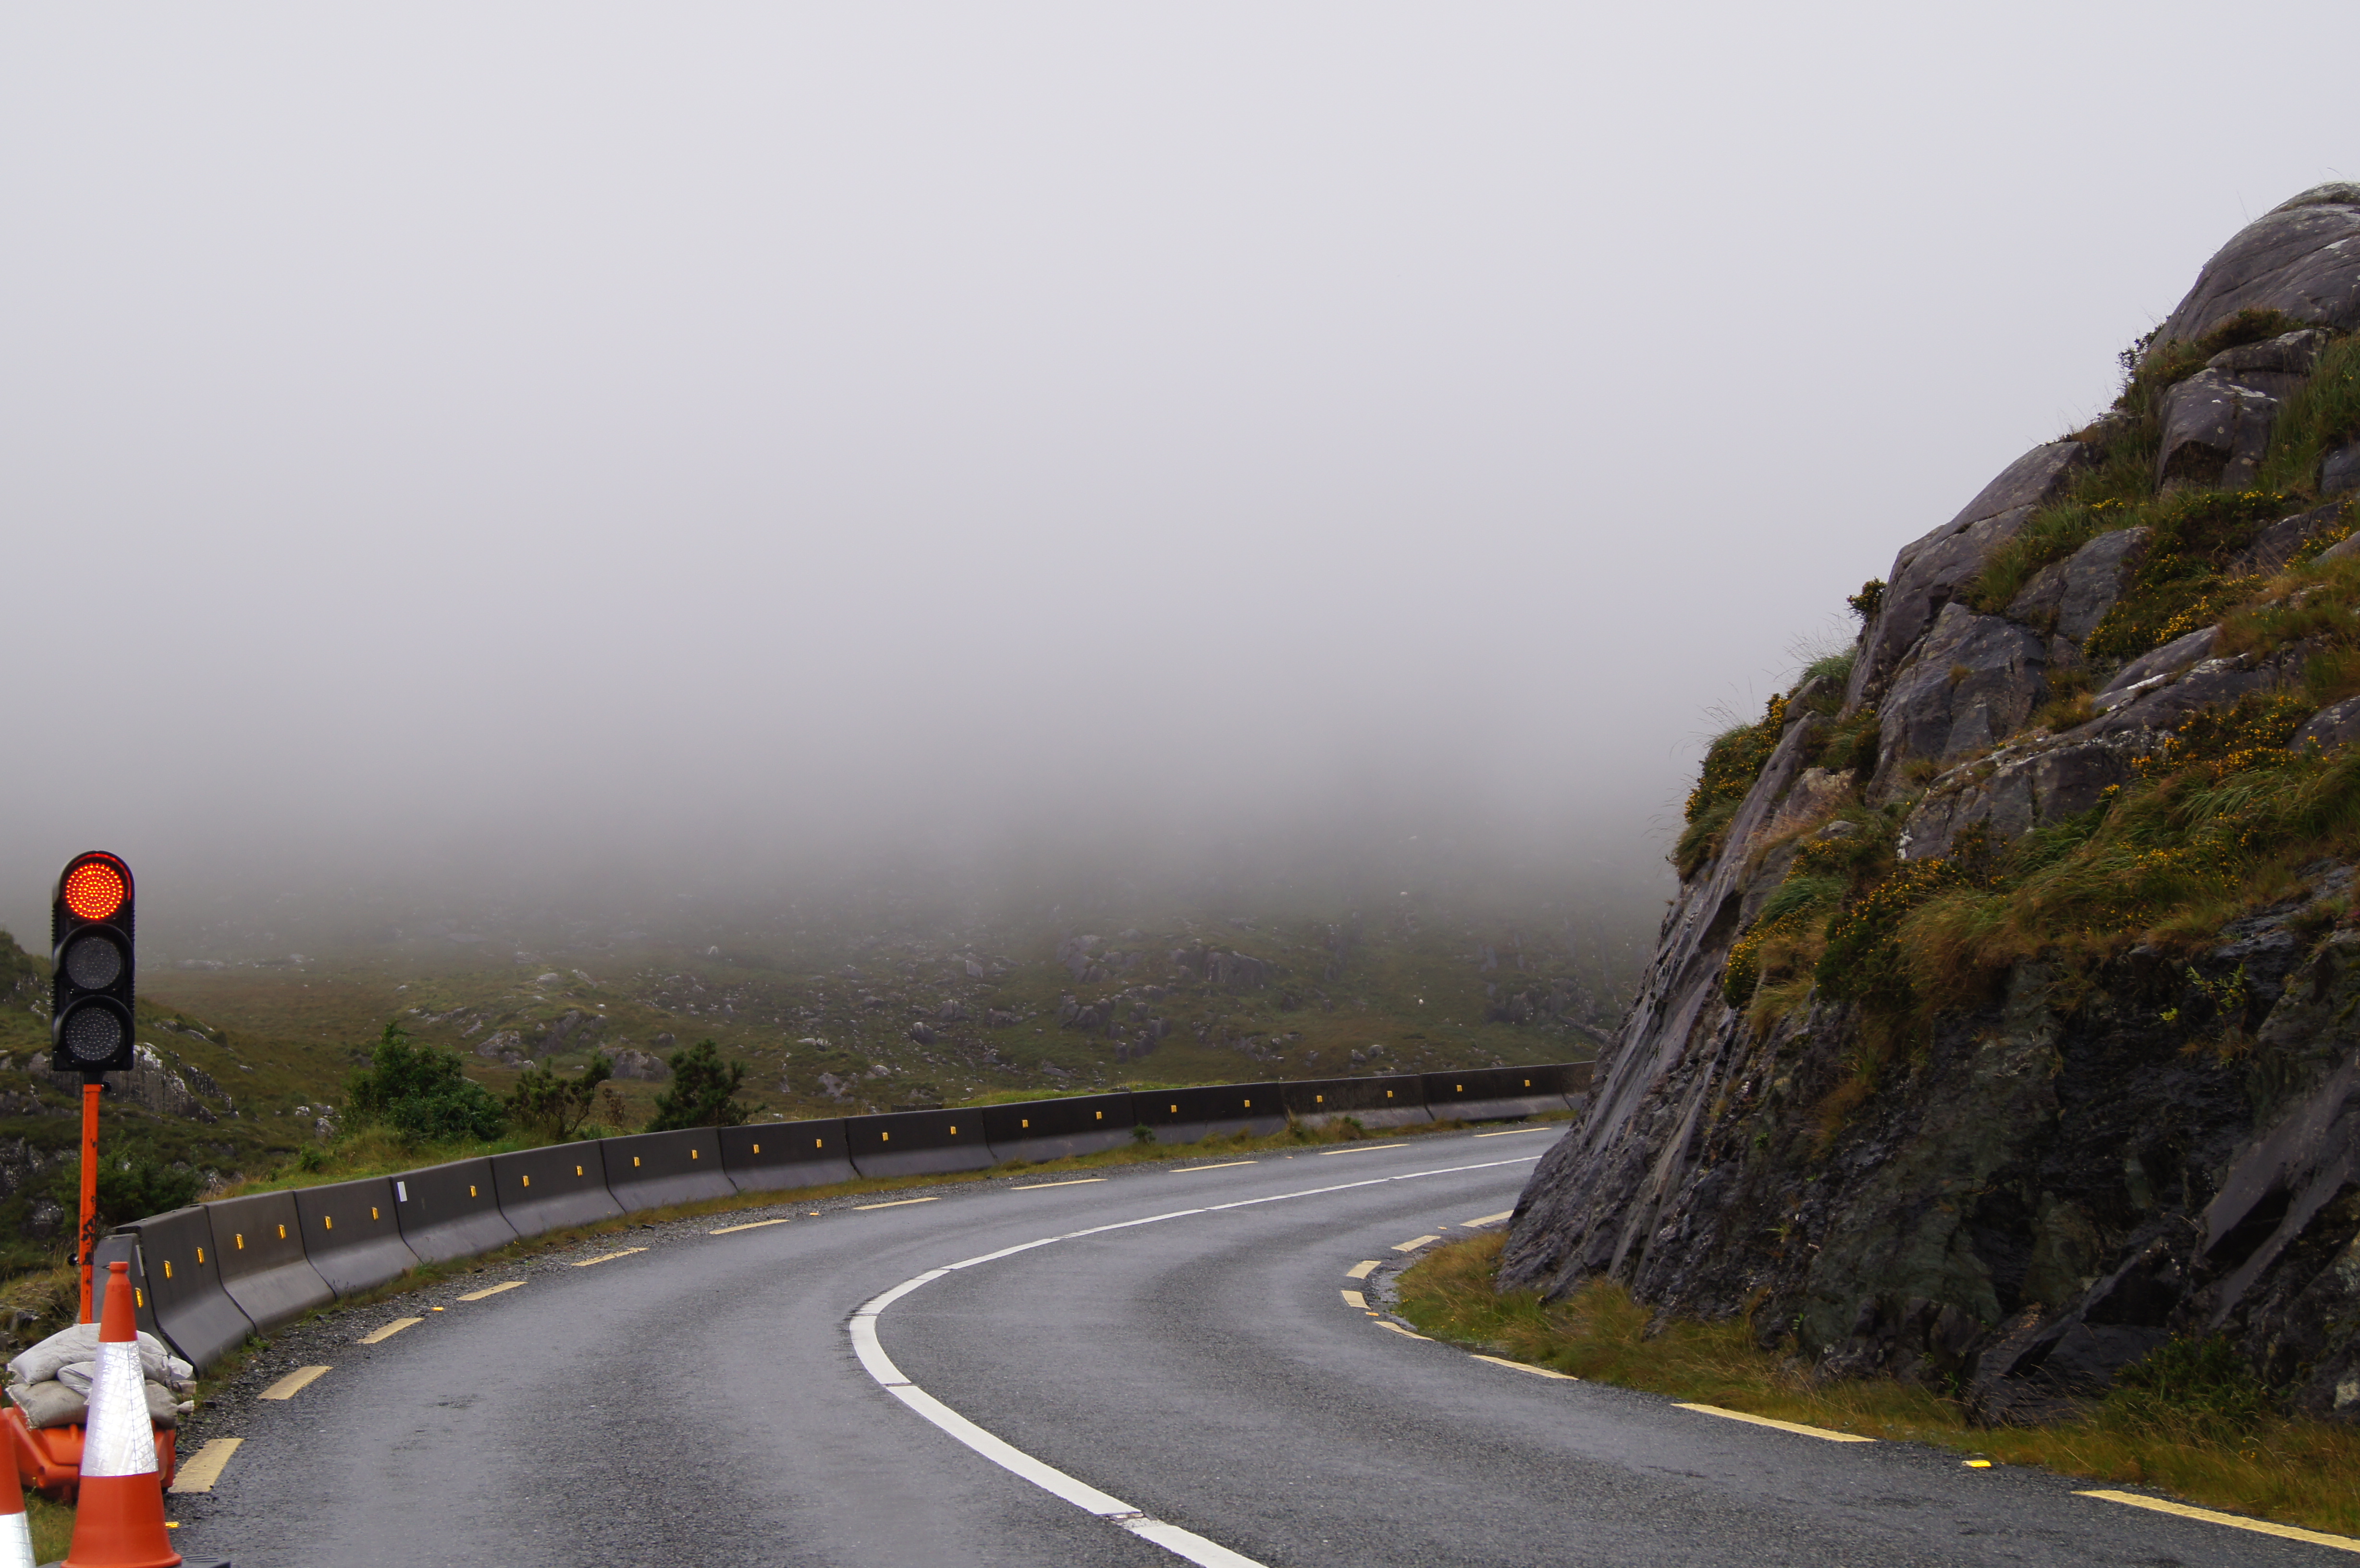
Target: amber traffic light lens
(94, 962)
(93, 890)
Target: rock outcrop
(2068, 1162)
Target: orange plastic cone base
(119, 1523)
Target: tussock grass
(2217, 1447)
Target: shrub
(551, 1107)
(134, 1183)
(1735, 759)
(422, 1092)
(704, 1091)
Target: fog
(608, 452)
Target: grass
(2205, 1438)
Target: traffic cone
(119, 1517)
(16, 1529)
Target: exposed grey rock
(921, 1034)
(1235, 970)
(2217, 422)
(2340, 471)
(1972, 682)
(2302, 257)
(2155, 665)
(2166, 703)
(2276, 544)
(645, 1066)
(2017, 790)
(2069, 597)
(2337, 724)
(1932, 571)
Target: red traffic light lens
(93, 890)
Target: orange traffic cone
(16, 1530)
(119, 1517)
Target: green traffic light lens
(92, 1034)
(94, 962)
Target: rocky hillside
(2007, 1022)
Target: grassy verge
(2224, 1449)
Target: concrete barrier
(260, 1241)
(1495, 1094)
(917, 1143)
(1395, 1102)
(777, 1156)
(182, 1266)
(649, 1170)
(1058, 1130)
(123, 1247)
(1222, 1110)
(451, 1211)
(549, 1189)
(353, 1235)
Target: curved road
(704, 1400)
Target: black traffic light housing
(91, 1019)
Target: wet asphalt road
(700, 1402)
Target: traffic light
(89, 986)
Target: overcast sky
(630, 435)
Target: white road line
(389, 1330)
(862, 1328)
(2259, 1527)
(203, 1467)
(294, 1383)
(1818, 1431)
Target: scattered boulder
(645, 1066)
(2336, 725)
(2340, 470)
(2217, 422)
(2302, 257)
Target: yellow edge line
(1362, 1271)
(491, 1290)
(897, 1203)
(1037, 1186)
(609, 1256)
(389, 1330)
(1490, 1219)
(1399, 1330)
(2235, 1522)
(757, 1224)
(1354, 1299)
(205, 1467)
(1511, 1132)
(1413, 1246)
(1192, 1169)
(1817, 1431)
(1535, 1371)
(1361, 1149)
(294, 1383)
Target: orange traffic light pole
(91, 1090)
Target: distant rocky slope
(2007, 1022)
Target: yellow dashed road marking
(1037, 1186)
(1362, 1271)
(1192, 1169)
(203, 1467)
(1354, 1299)
(1361, 1148)
(1535, 1371)
(756, 1224)
(389, 1330)
(490, 1290)
(1399, 1330)
(1489, 1219)
(294, 1383)
(609, 1256)
(1414, 1245)
(1511, 1132)
(1817, 1431)
(897, 1203)
(2259, 1527)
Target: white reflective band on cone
(120, 1440)
(17, 1541)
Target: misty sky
(599, 439)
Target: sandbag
(55, 1404)
(42, 1362)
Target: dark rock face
(1973, 681)
(2340, 470)
(2076, 1169)
(2069, 597)
(1931, 573)
(2302, 257)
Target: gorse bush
(422, 1092)
(554, 1107)
(704, 1091)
